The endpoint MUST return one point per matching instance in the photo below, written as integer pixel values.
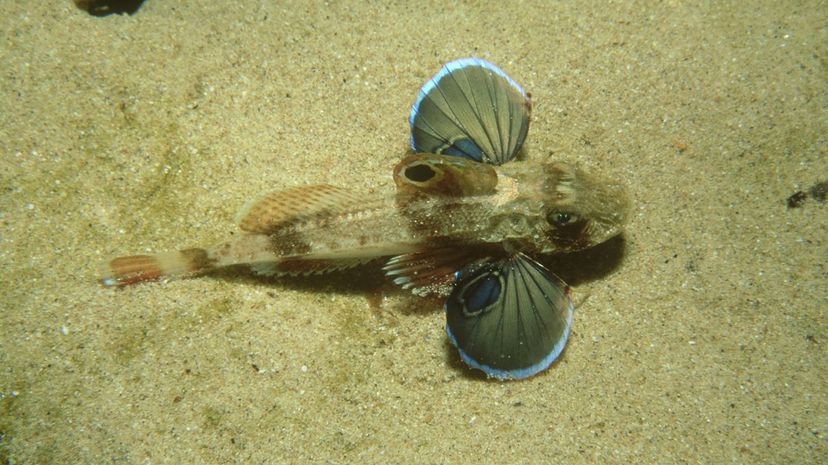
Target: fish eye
(561, 219)
(419, 173)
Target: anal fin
(305, 267)
(429, 271)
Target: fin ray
(429, 271)
(471, 108)
(280, 208)
(123, 271)
(306, 267)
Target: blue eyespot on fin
(509, 318)
(470, 108)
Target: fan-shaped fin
(471, 108)
(508, 317)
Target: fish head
(579, 209)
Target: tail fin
(123, 271)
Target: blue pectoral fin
(508, 317)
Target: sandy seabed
(700, 335)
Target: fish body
(462, 220)
(320, 228)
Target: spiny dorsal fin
(277, 209)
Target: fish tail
(123, 271)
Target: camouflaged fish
(461, 223)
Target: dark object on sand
(108, 7)
(796, 199)
(817, 192)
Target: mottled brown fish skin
(439, 200)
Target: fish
(463, 220)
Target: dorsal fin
(281, 208)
